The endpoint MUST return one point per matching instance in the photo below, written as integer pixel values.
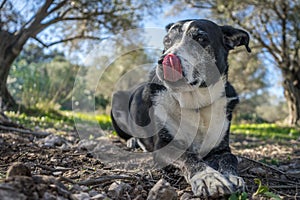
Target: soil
(65, 167)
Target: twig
(24, 131)
(63, 178)
(51, 169)
(296, 196)
(263, 164)
(104, 179)
(283, 181)
(248, 176)
(283, 186)
(45, 167)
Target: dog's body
(183, 112)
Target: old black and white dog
(183, 112)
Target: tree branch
(61, 4)
(42, 13)
(67, 40)
(24, 131)
(2, 4)
(194, 5)
(269, 34)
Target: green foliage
(43, 80)
(271, 131)
(263, 190)
(260, 108)
(59, 120)
(238, 196)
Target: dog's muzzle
(172, 68)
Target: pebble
(93, 193)
(53, 141)
(76, 187)
(48, 196)
(82, 196)
(162, 190)
(18, 169)
(85, 144)
(117, 189)
(100, 197)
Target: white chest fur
(195, 118)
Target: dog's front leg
(228, 167)
(205, 181)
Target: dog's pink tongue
(172, 68)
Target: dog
(182, 113)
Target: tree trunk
(291, 85)
(7, 101)
(10, 47)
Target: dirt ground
(65, 167)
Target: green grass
(60, 120)
(271, 131)
(103, 120)
(64, 120)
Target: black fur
(138, 104)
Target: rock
(48, 196)
(117, 189)
(53, 141)
(8, 192)
(84, 188)
(82, 196)
(85, 144)
(93, 193)
(162, 190)
(18, 169)
(100, 197)
(138, 190)
(76, 187)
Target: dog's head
(195, 53)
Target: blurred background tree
(51, 22)
(43, 80)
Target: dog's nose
(161, 59)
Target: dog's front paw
(238, 183)
(211, 183)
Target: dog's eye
(201, 37)
(167, 41)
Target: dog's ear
(169, 26)
(235, 37)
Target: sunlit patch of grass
(271, 131)
(42, 120)
(103, 120)
(59, 120)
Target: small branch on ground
(263, 164)
(24, 131)
(7, 124)
(104, 179)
